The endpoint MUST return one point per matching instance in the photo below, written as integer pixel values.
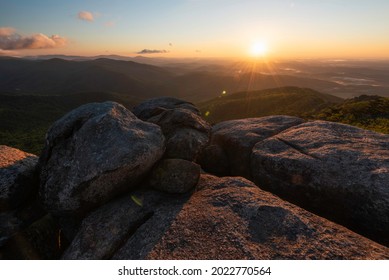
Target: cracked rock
(338, 171)
(93, 154)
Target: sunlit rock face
(17, 177)
(226, 218)
(18, 191)
(118, 187)
(232, 141)
(187, 134)
(94, 153)
(338, 171)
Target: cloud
(109, 24)
(147, 51)
(10, 40)
(6, 31)
(84, 15)
(8, 53)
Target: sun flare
(258, 49)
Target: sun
(258, 49)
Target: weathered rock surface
(186, 132)
(235, 139)
(338, 171)
(175, 176)
(231, 218)
(141, 217)
(94, 153)
(18, 190)
(156, 106)
(40, 240)
(15, 220)
(18, 180)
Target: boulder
(18, 180)
(235, 139)
(142, 216)
(156, 106)
(226, 218)
(175, 176)
(187, 133)
(94, 153)
(337, 171)
(12, 222)
(40, 240)
(231, 218)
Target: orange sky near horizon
(197, 28)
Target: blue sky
(289, 28)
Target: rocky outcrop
(232, 141)
(338, 171)
(231, 218)
(93, 154)
(226, 218)
(117, 187)
(175, 176)
(186, 132)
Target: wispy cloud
(147, 51)
(85, 15)
(8, 53)
(6, 31)
(109, 24)
(10, 40)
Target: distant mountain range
(192, 81)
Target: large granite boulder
(146, 215)
(231, 218)
(94, 153)
(232, 141)
(226, 218)
(18, 178)
(187, 134)
(338, 171)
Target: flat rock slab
(338, 171)
(17, 177)
(235, 139)
(94, 153)
(231, 218)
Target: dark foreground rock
(338, 171)
(18, 192)
(227, 218)
(175, 176)
(138, 219)
(42, 239)
(95, 153)
(18, 179)
(232, 141)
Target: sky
(196, 28)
